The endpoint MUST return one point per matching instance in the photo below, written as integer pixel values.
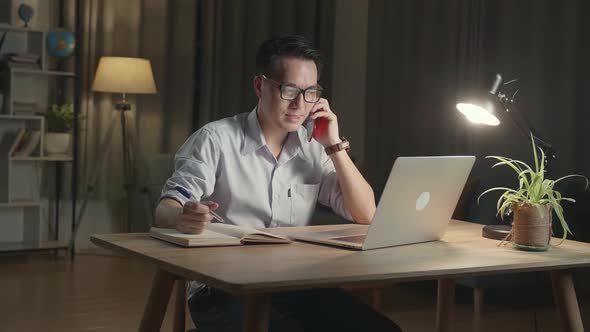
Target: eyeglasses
(290, 91)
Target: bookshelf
(25, 197)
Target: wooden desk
(259, 270)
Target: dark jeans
(310, 310)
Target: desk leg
(180, 306)
(445, 305)
(256, 312)
(565, 299)
(155, 309)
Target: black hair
(270, 51)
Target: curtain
(423, 55)
(229, 34)
(161, 31)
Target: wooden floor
(101, 292)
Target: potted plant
(532, 203)
(60, 122)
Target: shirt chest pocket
(303, 201)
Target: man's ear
(257, 86)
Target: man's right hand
(195, 216)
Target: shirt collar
(254, 138)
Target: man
(258, 169)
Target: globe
(61, 44)
(26, 12)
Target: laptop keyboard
(352, 239)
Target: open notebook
(216, 234)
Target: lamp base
(496, 232)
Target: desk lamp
(487, 108)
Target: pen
(187, 194)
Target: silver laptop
(418, 201)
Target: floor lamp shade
(124, 75)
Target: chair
(155, 172)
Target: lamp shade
(124, 75)
(480, 109)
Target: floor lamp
(122, 76)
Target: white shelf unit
(21, 224)
(24, 82)
(21, 204)
(16, 174)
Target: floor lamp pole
(123, 107)
(128, 164)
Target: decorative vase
(531, 226)
(57, 143)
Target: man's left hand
(321, 109)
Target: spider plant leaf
(546, 200)
(559, 211)
(507, 197)
(574, 175)
(502, 211)
(494, 189)
(547, 186)
(505, 206)
(523, 177)
(568, 199)
(542, 170)
(534, 190)
(506, 161)
(511, 162)
(499, 202)
(535, 153)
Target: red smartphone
(315, 128)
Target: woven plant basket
(531, 226)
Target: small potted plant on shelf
(60, 122)
(532, 203)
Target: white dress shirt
(228, 162)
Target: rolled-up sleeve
(195, 166)
(330, 191)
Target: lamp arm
(550, 152)
(526, 128)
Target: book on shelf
(25, 143)
(217, 234)
(17, 140)
(21, 65)
(23, 58)
(26, 61)
(25, 108)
